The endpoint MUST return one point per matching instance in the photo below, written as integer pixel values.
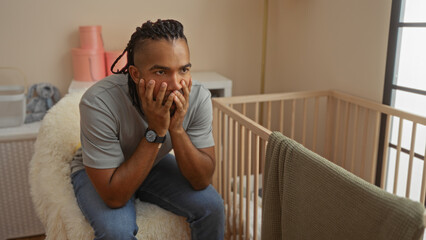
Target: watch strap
(157, 138)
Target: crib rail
(342, 128)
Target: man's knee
(216, 205)
(211, 205)
(116, 229)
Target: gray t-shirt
(111, 127)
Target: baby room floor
(40, 237)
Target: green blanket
(308, 197)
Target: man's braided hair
(161, 29)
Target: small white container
(12, 106)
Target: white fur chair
(51, 188)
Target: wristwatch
(152, 137)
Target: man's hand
(157, 113)
(182, 103)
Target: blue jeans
(166, 187)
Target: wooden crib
(342, 128)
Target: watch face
(150, 136)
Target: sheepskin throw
(52, 192)
(309, 197)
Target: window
(405, 88)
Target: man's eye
(185, 70)
(160, 72)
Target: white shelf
(25, 131)
(214, 81)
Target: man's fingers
(179, 100)
(180, 96)
(161, 93)
(169, 102)
(185, 89)
(149, 91)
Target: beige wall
(224, 36)
(328, 44)
(312, 44)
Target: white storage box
(12, 106)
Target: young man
(129, 123)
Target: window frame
(389, 86)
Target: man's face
(163, 61)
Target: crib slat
(225, 145)
(364, 143)
(216, 177)
(345, 136)
(411, 159)
(398, 155)
(229, 190)
(293, 119)
(375, 148)
(219, 150)
(385, 153)
(223, 158)
(282, 116)
(268, 120)
(314, 142)
(328, 132)
(241, 159)
(336, 133)
(248, 184)
(256, 112)
(355, 130)
(263, 155)
(305, 106)
(256, 185)
(234, 178)
(423, 191)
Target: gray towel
(309, 197)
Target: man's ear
(134, 73)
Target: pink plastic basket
(91, 37)
(88, 64)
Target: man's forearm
(196, 165)
(117, 186)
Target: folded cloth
(309, 197)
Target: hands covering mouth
(166, 111)
(173, 107)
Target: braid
(161, 29)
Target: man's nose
(175, 82)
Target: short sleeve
(200, 128)
(99, 134)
